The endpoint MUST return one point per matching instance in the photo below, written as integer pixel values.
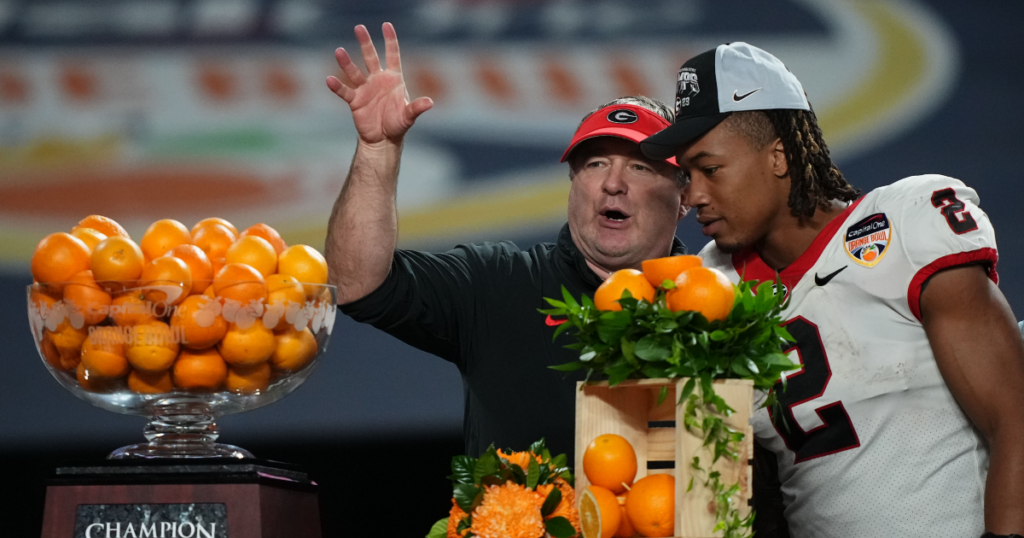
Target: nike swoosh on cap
(552, 322)
(739, 98)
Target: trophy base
(212, 497)
(179, 451)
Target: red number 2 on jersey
(836, 433)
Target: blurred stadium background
(148, 109)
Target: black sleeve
(770, 521)
(425, 301)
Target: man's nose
(696, 194)
(615, 181)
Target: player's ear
(777, 159)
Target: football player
(906, 417)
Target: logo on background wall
(622, 115)
(686, 87)
(868, 240)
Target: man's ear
(777, 159)
(684, 208)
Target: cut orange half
(599, 513)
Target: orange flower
(522, 459)
(566, 508)
(508, 511)
(454, 517)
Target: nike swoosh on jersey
(552, 322)
(739, 98)
(821, 281)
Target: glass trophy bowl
(180, 360)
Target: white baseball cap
(729, 78)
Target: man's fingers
(369, 52)
(391, 54)
(417, 107)
(340, 89)
(351, 70)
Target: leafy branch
(649, 340)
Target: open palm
(379, 99)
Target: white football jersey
(869, 439)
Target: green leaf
(559, 527)
(588, 356)
(719, 336)
(687, 390)
(569, 301)
(532, 474)
(466, 523)
(653, 348)
(465, 496)
(488, 464)
(618, 373)
(439, 529)
(653, 372)
(462, 469)
(551, 502)
(662, 394)
(557, 304)
(559, 461)
(568, 367)
(628, 346)
(668, 285)
(538, 447)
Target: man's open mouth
(614, 215)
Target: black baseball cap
(729, 78)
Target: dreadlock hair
(815, 181)
(641, 101)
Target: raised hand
(379, 99)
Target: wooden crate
(629, 409)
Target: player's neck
(792, 236)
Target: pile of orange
(613, 505)
(155, 314)
(700, 289)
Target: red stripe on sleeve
(953, 260)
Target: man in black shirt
(476, 305)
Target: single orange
(214, 220)
(240, 282)
(268, 233)
(57, 258)
(611, 290)
(284, 292)
(166, 280)
(305, 264)
(90, 237)
(214, 239)
(152, 347)
(103, 353)
(251, 379)
(246, 347)
(705, 290)
(203, 370)
(610, 462)
(105, 225)
(117, 263)
(199, 322)
(163, 235)
(50, 352)
(651, 505)
(83, 294)
(131, 308)
(68, 341)
(150, 382)
(255, 252)
(626, 529)
(92, 382)
(599, 513)
(294, 350)
(658, 270)
(198, 264)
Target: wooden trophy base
(209, 498)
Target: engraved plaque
(193, 520)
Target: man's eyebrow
(700, 156)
